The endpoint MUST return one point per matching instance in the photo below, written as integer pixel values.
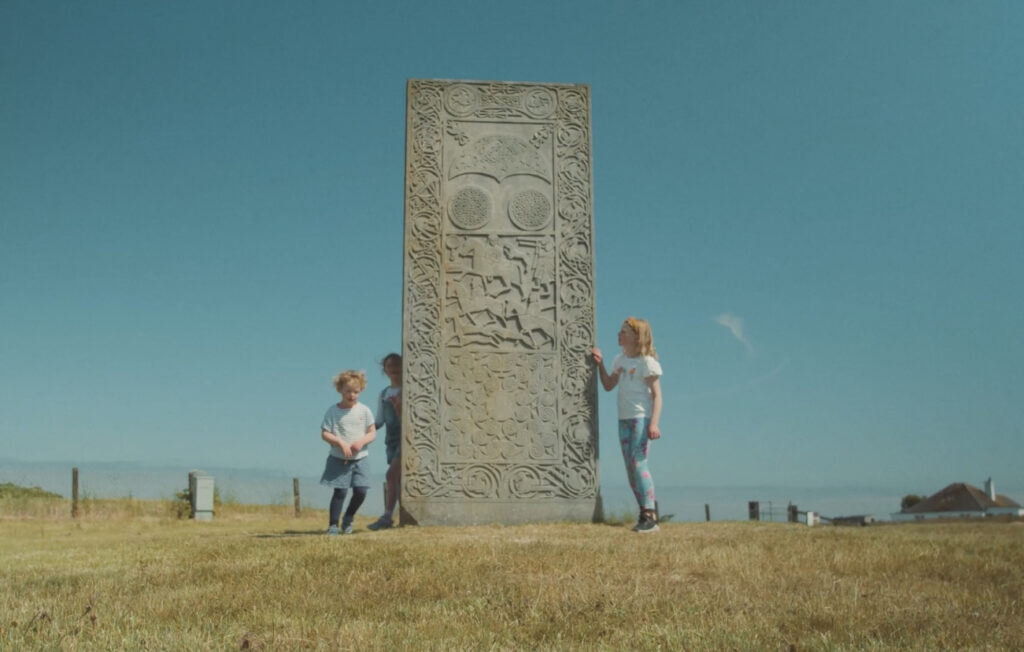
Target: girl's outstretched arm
(608, 381)
(654, 383)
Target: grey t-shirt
(349, 424)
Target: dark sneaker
(381, 523)
(649, 525)
(333, 531)
(648, 521)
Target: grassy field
(128, 575)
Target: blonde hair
(644, 337)
(356, 378)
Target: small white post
(201, 492)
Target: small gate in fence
(790, 513)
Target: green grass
(259, 578)
(10, 491)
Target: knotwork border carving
(559, 460)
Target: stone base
(440, 512)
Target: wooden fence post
(295, 490)
(74, 492)
(192, 494)
(793, 518)
(707, 512)
(754, 510)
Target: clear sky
(816, 204)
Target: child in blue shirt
(389, 414)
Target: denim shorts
(392, 448)
(344, 474)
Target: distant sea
(267, 487)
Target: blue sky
(817, 206)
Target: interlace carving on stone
(526, 324)
(503, 408)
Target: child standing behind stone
(389, 414)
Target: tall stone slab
(499, 396)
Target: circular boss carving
(530, 210)
(539, 102)
(461, 99)
(470, 208)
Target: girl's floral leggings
(633, 439)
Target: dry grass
(260, 578)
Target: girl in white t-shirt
(636, 372)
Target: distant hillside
(9, 490)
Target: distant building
(961, 500)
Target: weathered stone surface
(499, 396)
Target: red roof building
(961, 500)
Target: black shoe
(639, 520)
(648, 522)
(647, 526)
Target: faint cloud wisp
(735, 325)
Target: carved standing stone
(499, 396)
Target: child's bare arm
(360, 444)
(654, 383)
(330, 438)
(608, 381)
(337, 442)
